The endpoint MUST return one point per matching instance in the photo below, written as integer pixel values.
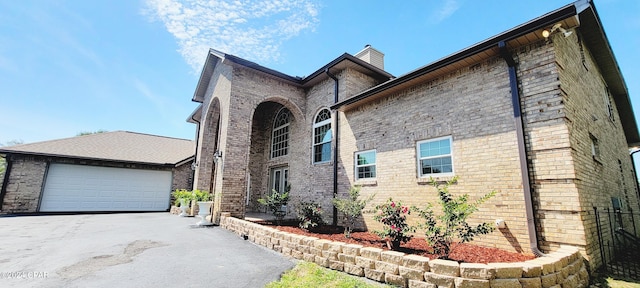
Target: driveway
(129, 250)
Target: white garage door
(76, 188)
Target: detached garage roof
(121, 146)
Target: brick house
(104, 172)
(542, 118)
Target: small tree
(351, 208)
(275, 202)
(393, 216)
(442, 231)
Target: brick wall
(24, 185)
(473, 106)
(610, 173)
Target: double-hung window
(365, 164)
(435, 157)
(322, 137)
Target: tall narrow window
(280, 137)
(595, 148)
(608, 104)
(366, 164)
(322, 137)
(435, 157)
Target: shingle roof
(123, 146)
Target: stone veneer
(564, 268)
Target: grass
(307, 274)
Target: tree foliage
(3, 162)
(351, 207)
(451, 226)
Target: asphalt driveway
(129, 250)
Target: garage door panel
(76, 188)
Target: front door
(279, 179)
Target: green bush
(202, 195)
(351, 208)
(275, 201)
(451, 226)
(309, 215)
(182, 194)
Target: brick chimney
(371, 56)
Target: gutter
(633, 167)
(335, 150)
(5, 180)
(195, 154)
(522, 150)
(536, 24)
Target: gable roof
(119, 146)
(581, 14)
(342, 62)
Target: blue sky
(69, 66)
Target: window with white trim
(435, 157)
(365, 164)
(280, 135)
(322, 137)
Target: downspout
(335, 150)
(635, 174)
(5, 180)
(194, 165)
(522, 150)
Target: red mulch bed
(465, 252)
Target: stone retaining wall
(564, 268)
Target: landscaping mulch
(464, 252)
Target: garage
(77, 188)
(117, 171)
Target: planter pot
(204, 211)
(183, 208)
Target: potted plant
(182, 198)
(203, 199)
(277, 203)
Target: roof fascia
(607, 63)
(86, 158)
(213, 57)
(528, 27)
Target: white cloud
(445, 11)
(250, 29)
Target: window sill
(439, 179)
(325, 163)
(366, 182)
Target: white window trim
(435, 175)
(273, 133)
(356, 166)
(313, 136)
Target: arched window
(280, 136)
(322, 137)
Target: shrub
(451, 227)
(393, 216)
(182, 194)
(202, 195)
(275, 202)
(309, 215)
(351, 208)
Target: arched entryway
(209, 139)
(275, 126)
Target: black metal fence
(619, 242)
